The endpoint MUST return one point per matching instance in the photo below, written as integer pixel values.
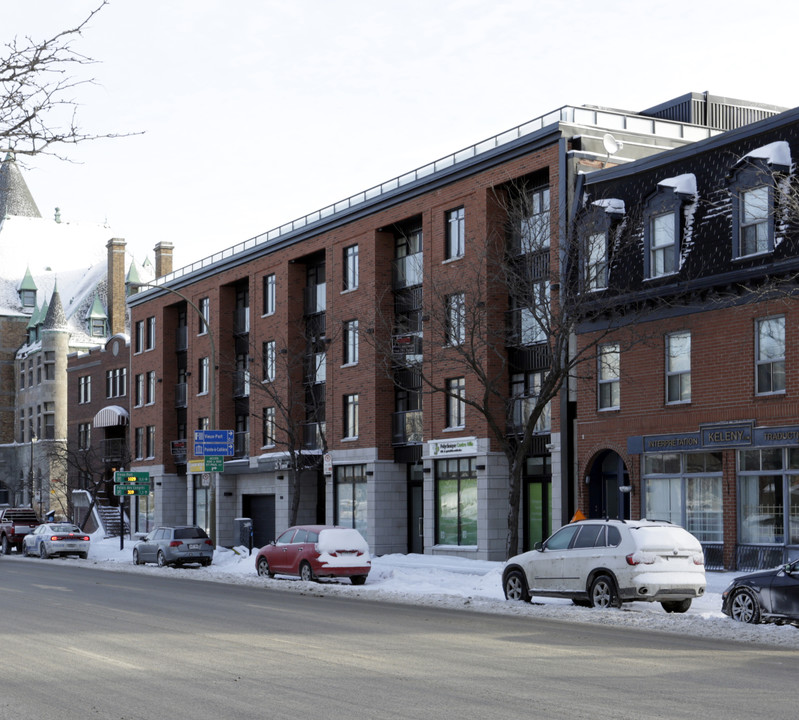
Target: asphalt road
(85, 643)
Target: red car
(314, 551)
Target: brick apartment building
(281, 340)
(691, 411)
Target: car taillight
(638, 558)
(699, 559)
(208, 542)
(175, 543)
(54, 537)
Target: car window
(189, 533)
(614, 536)
(159, 534)
(561, 539)
(313, 537)
(301, 536)
(285, 536)
(588, 536)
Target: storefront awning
(111, 416)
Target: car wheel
(83, 556)
(161, 559)
(676, 606)
(207, 562)
(263, 568)
(136, 559)
(358, 579)
(581, 603)
(515, 586)
(6, 546)
(43, 552)
(603, 592)
(744, 606)
(306, 572)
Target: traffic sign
(128, 476)
(131, 489)
(214, 442)
(214, 463)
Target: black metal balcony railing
(241, 444)
(181, 339)
(408, 271)
(313, 436)
(181, 395)
(407, 427)
(113, 450)
(241, 321)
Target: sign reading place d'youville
(213, 442)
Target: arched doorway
(608, 487)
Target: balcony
(402, 345)
(241, 383)
(181, 395)
(241, 321)
(241, 444)
(407, 427)
(315, 298)
(313, 436)
(181, 339)
(114, 450)
(408, 271)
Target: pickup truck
(15, 524)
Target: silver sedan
(174, 546)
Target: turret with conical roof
(15, 198)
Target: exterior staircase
(109, 516)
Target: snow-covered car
(314, 551)
(766, 596)
(603, 563)
(53, 539)
(179, 545)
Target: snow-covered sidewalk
(451, 582)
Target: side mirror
(539, 546)
(274, 542)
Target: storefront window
(351, 497)
(457, 502)
(690, 495)
(145, 513)
(201, 516)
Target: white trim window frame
(770, 356)
(678, 367)
(608, 376)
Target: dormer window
(664, 223)
(28, 298)
(97, 327)
(662, 247)
(755, 229)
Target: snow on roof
(776, 153)
(683, 184)
(610, 205)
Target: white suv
(603, 563)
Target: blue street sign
(214, 442)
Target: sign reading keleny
(456, 446)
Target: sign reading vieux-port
(213, 442)
(131, 483)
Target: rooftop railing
(597, 117)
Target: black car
(766, 596)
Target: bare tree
(38, 82)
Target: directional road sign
(214, 442)
(131, 489)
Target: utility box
(243, 532)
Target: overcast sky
(255, 112)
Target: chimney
(116, 285)
(163, 259)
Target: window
(456, 404)
(202, 371)
(116, 382)
(205, 316)
(269, 294)
(150, 343)
(203, 423)
(678, 367)
(534, 230)
(456, 319)
(97, 327)
(138, 399)
(456, 511)
(686, 489)
(49, 365)
(754, 222)
(150, 449)
(139, 337)
(532, 314)
(351, 416)
(662, 249)
(525, 389)
(456, 234)
(609, 383)
(350, 342)
(770, 353)
(350, 491)
(138, 443)
(596, 269)
(269, 426)
(84, 389)
(150, 387)
(351, 267)
(38, 369)
(84, 436)
(269, 360)
(21, 377)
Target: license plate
(194, 546)
(71, 546)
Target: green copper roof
(27, 282)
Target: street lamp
(211, 383)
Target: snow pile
(451, 582)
